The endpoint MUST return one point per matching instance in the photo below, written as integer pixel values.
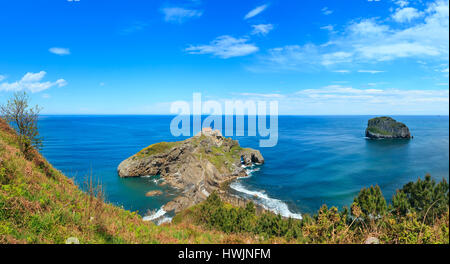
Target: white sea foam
(157, 181)
(163, 220)
(268, 203)
(249, 170)
(160, 213)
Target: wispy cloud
(366, 101)
(341, 71)
(262, 95)
(32, 82)
(370, 71)
(326, 11)
(59, 51)
(2, 77)
(304, 58)
(133, 27)
(378, 96)
(335, 99)
(179, 14)
(262, 29)
(256, 11)
(225, 47)
(328, 27)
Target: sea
(317, 160)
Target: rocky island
(386, 127)
(197, 166)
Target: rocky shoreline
(197, 166)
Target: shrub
(372, 203)
(425, 197)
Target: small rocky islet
(386, 128)
(197, 166)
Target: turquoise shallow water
(318, 159)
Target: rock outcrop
(153, 193)
(386, 127)
(197, 166)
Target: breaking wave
(272, 204)
(158, 217)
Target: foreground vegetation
(419, 213)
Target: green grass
(224, 160)
(376, 130)
(157, 148)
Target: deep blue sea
(318, 159)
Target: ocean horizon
(319, 159)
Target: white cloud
(295, 57)
(370, 71)
(2, 77)
(406, 14)
(366, 28)
(32, 82)
(336, 57)
(225, 47)
(255, 11)
(342, 71)
(262, 29)
(59, 51)
(179, 14)
(372, 41)
(396, 50)
(326, 11)
(401, 3)
(328, 27)
(30, 77)
(262, 95)
(335, 99)
(375, 96)
(339, 91)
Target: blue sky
(314, 57)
